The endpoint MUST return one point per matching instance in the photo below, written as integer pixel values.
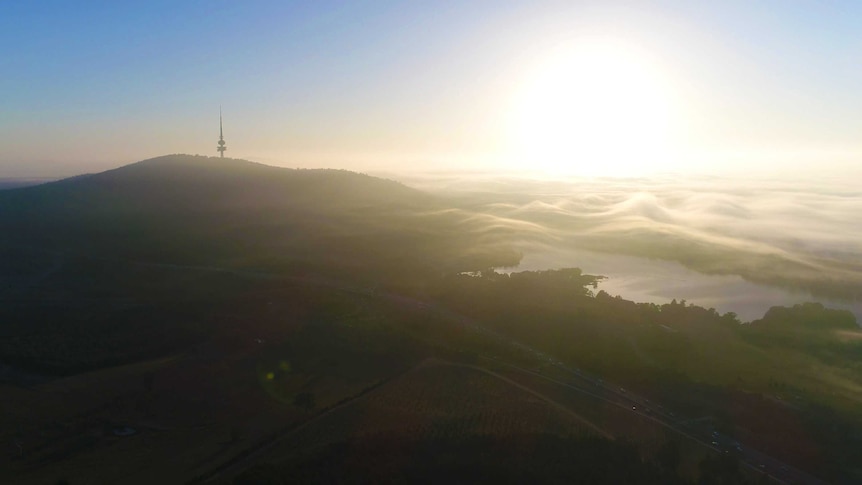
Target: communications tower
(221, 145)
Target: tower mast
(221, 145)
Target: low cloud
(794, 234)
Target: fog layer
(803, 236)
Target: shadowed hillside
(140, 261)
(187, 182)
(184, 209)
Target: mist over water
(736, 244)
(659, 281)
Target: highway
(579, 380)
(611, 393)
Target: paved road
(596, 387)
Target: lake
(657, 281)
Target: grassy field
(440, 400)
(194, 410)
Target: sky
(581, 88)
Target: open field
(441, 400)
(191, 411)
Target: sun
(596, 107)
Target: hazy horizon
(562, 88)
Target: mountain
(14, 183)
(187, 182)
(186, 209)
(139, 261)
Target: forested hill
(196, 183)
(207, 210)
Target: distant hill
(140, 261)
(14, 183)
(186, 209)
(195, 184)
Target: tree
(721, 469)
(304, 400)
(149, 381)
(668, 457)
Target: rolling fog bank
(735, 244)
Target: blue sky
(411, 85)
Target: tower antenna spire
(221, 144)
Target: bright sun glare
(594, 108)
